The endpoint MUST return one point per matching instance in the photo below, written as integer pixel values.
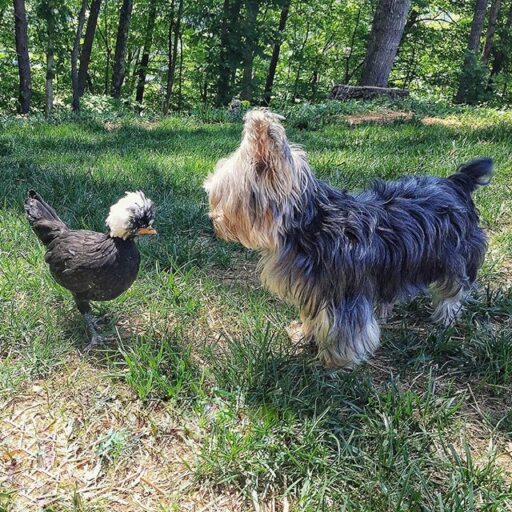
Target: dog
(338, 256)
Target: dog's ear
(264, 139)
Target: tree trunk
(224, 69)
(170, 46)
(228, 48)
(90, 83)
(251, 43)
(204, 90)
(85, 56)
(148, 41)
(491, 30)
(499, 55)
(299, 65)
(21, 35)
(128, 64)
(108, 51)
(74, 57)
(348, 53)
(50, 64)
(180, 76)
(477, 25)
(475, 34)
(131, 78)
(315, 79)
(174, 36)
(317, 72)
(412, 19)
(387, 28)
(269, 82)
(125, 14)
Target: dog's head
(253, 191)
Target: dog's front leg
(347, 334)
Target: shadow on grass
(477, 352)
(23, 161)
(327, 437)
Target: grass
(199, 401)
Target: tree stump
(355, 92)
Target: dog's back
(427, 231)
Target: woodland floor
(199, 401)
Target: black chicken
(93, 266)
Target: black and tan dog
(337, 255)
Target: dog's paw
(295, 332)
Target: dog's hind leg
(384, 311)
(447, 302)
(346, 335)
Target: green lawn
(200, 401)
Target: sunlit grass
(196, 336)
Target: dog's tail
(473, 174)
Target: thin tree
(250, 48)
(85, 56)
(300, 59)
(148, 41)
(499, 54)
(128, 64)
(131, 72)
(223, 78)
(470, 59)
(491, 30)
(21, 36)
(50, 56)
(349, 51)
(180, 76)
(315, 77)
(118, 73)
(387, 28)
(269, 82)
(47, 10)
(172, 54)
(229, 37)
(74, 56)
(108, 49)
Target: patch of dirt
(111, 126)
(244, 274)
(504, 460)
(80, 437)
(379, 117)
(485, 450)
(447, 122)
(243, 270)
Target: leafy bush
(474, 80)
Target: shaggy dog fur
(336, 255)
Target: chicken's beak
(146, 231)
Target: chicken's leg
(94, 337)
(90, 323)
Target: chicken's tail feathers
(42, 217)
